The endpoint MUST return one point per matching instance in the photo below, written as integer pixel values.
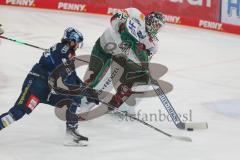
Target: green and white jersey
(132, 21)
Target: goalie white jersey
(111, 39)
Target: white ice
(204, 68)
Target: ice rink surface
(204, 68)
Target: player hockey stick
(79, 93)
(171, 111)
(21, 42)
(182, 138)
(30, 45)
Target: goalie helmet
(72, 34)
(154, 21)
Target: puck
(190, 129)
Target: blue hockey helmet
(72, 34)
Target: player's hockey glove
(91, 95)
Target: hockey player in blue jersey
(36, 90)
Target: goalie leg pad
(97, 60)
(134, 75)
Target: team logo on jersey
(32, 102)
(141, 35)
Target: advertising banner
(200, 9)
(231, 12)
(217, 15)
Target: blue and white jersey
(56, 56)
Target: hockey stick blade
(182, 138)
(171, 111)
(200, 125)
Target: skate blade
(75, 144)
